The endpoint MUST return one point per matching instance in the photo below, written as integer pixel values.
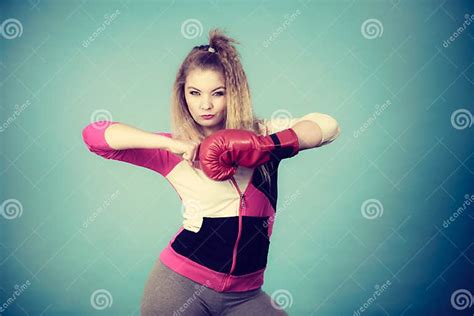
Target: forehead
(204, 79)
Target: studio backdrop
(379, 222)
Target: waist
(228, 254)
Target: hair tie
(206, 47)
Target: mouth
(207, 117)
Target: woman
(222, 161)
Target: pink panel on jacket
(261, 206)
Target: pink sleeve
(159, 160)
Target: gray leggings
(169, 293)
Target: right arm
(122, 136)
(117, 141)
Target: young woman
(222, 161)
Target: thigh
(168, 293)
(260, 304)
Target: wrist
(283, 144)
(163, 142)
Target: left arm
(224, 150)
(315, 130)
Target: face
(205, 94)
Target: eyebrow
(211, 91)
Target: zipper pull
(243, 200)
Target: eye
(220, 93)
(191, 93)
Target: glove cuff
(285, 144)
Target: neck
(210, 130)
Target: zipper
(234, 253)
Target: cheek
(222, 103)
(191, 106)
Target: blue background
(403, 100)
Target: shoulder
(261, 126)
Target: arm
(117, 141)
(122, 136)
(313, 130)
(222, 152)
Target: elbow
(328, 125)
(93, 136)
(87, 136)
(333, 130)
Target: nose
(206, 104)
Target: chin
(206, 122)
(209, 122)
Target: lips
(207, 116)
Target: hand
(223, 151)
(185, 148)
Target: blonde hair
(226, 60)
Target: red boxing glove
(221, 153)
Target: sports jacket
(225, 234)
